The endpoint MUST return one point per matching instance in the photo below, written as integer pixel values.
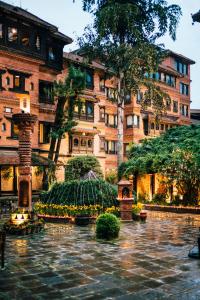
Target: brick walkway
(149, 261)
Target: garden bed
(173, 209)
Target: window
(162, 127)
(168, 104)
(89, 79)
(110, 93)
(111, 147)
(76, 142)
(81, 144)
(14, 131)
(181, 67)
(31, 86)
(139, 97)
(102, 144)
(111, 120)
(184, 89)
(152, 126)
(102, 114)
(1, 31)
(157, 126)
(166, 127)
(136, 121)
(18, 82)
(129, 121)
(3, 127)
(25, 39)
(8, 109)
(51, 54)
(170, 80)
(175, 106)
(38, 43)
(132, 121)
(12, 34)
(102, 84)
(44, 133)
(184, 110)
(7, 80)
(127, 98)
(46, 92)
(84, 111)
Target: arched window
(76, 142)
(8, 80)
(89, 143)
(83, 142)
(31, 86)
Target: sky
(71, 20)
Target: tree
(79, 166)
(175, 155)
(123, 37)
(66, 94)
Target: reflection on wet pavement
(148, 261)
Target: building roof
(196, 17)
(182, 57)
(11, 158)
(81, 60)
(24, 14)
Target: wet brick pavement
(148, 261)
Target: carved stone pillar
(25, 123)
(126, 200)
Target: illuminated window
(14, 131)
(12, 34)
(25, 39)
(7, 109)
(51, 54)
(18, 82)
(45, 131)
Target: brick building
(31, 58)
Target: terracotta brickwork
(96, 131)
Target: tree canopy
(175, 154)
(124, 37)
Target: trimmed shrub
(78, 166)
(85, 192)
(107, 226)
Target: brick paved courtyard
(149, 261)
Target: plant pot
(143, 216)
(136, 217)
(82, 220)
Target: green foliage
(78, 166)
(159, 199)
(124, 35)
(111, 177)
(176, 155)
(107, 226)
(85, 192)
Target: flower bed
(66, 212)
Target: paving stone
(148, 261)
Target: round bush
(107, 227)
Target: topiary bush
(107, 226)
(78, 166)
(85, 192)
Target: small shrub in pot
(107, 226)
